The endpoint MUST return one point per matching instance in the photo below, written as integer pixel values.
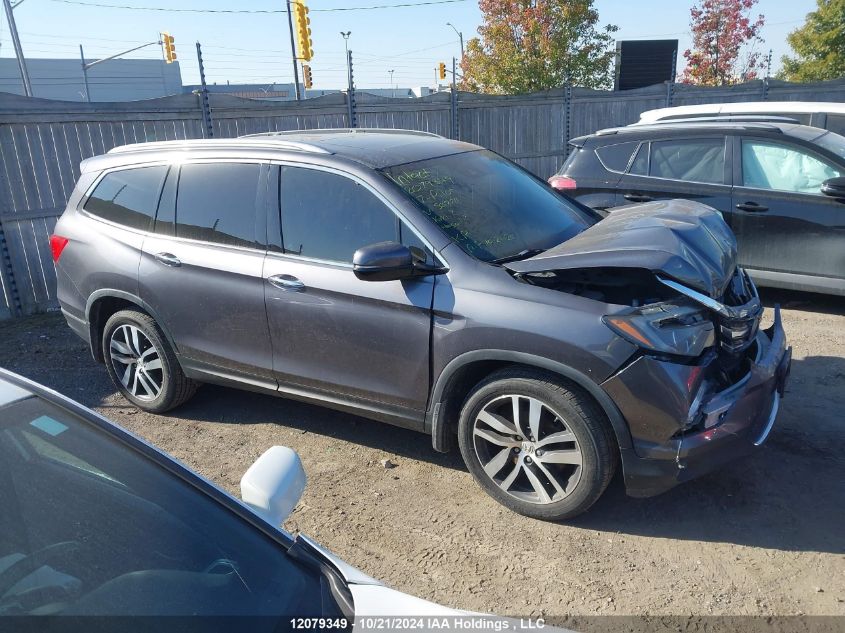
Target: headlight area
(668, 328)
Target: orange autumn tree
(531, 45)
(723, 37)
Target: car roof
(375, 148)
(752, 107)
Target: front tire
(537, 445)
(142, 364)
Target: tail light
(562, 183)
(57, 245)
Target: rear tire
(537, 444)
(141, 363)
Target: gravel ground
(762, 537)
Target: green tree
(531, 45)
(819, 45)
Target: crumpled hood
(685, 240)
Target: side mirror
(834, 187)
(273, 485)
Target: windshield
(832, 142)
(89, 526)
(488, 206)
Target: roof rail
(226, 143)
(343, 130)
(663, 125)
(726, 118)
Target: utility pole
(85, 74)
(208, 130)
(16, 42)
(350, 95)
(293, 54)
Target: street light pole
(16, 42)
(346, 35)
(392, 91)
(460, 37)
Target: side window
(616, 157)
(692, 160)
(128, 197)
(767, 165)
(640, 165)
(217, 202)
(329, 216)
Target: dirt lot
(762, 537)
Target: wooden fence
(42, 143)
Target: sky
(255, 47)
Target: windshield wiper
(528, 252)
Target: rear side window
(692, 160)
(216, 202)
(128, 197)
(640, 165)
(616, 157)
(329, 216)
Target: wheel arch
(452, 385)
(105, 302)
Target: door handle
(753, 207)
(637, 197)
(286, 282)
(168, 259)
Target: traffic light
(303, 30)
(441, 70)
(169, 47)
(306, 75)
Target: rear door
(782, 221)
(694, 168)
(201, 270)
(334, 335)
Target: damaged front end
(704, 385)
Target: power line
(252, 11)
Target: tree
(723, 36)
(819, 45)
(531, 45)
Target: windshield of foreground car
(89, 527)
(487, 205)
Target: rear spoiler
(579, 141)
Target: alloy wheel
(527, 449)
(136, 362)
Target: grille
(738, 323)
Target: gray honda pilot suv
(430, 284)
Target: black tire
(568, 409)
(175, 387)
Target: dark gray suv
(430, 284)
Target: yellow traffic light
(306, 75)
(441, 69)
(168, 47)
(303, 30)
